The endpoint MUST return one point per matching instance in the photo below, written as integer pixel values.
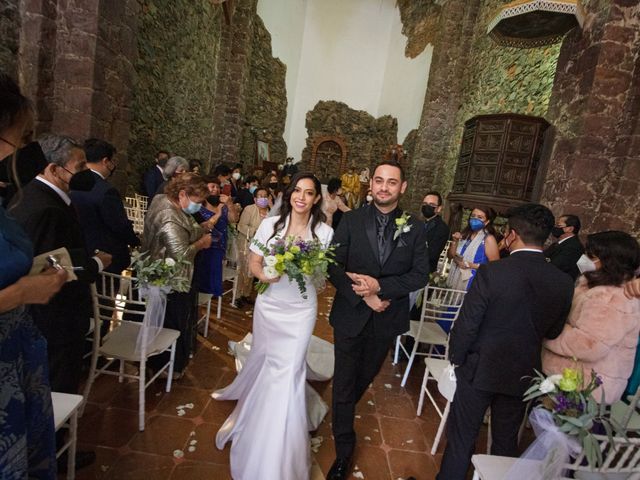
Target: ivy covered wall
(500, 80)
(470, 75)
(178, 48)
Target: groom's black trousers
(357, 362)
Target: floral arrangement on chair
(161, 272)
(156, 279)
(567, 404)
(296, 258)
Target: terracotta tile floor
(392, 442)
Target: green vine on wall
(174, 92)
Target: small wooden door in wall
(328, 157)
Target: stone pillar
(232, 81)
(593, 166)
(76, 63)
(452, 44)
(9, 36)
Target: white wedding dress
(268, 427)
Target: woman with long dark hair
(268, 427)
(27, 449)
(602, 330)
(472, 247)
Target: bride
(268, 427)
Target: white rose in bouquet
(270, 272)
(270, 260)
(169, 262)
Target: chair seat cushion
(121, 342)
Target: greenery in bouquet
(297, 259)
(161, 272)
(574, 409)
(436, 279)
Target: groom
(381, 256)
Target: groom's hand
(364, 285)
(376, 304)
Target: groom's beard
(391, 200)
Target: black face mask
(82, 181)
(214, 200)
(428, 211)
(557, 232)
(273, 185)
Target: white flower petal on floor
(178, 453)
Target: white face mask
(236, 176)
(585, 264)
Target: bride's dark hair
(317, 215)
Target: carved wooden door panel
(328, 158)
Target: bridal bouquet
(297, 259)
(568, 412)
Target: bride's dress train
(269, 425)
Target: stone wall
(367, 138)
(593, 166)
(178, 42)
(266, 103)
(420, 20)
(472, 75)
(9, 36)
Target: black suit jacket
(512, 305)
(50, 224)
(565, 255)
(151, 180)
(404, 269)
(437, 236)
(104, 223)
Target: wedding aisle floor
(180, 426)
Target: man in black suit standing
(512, 305)
(568, 249)
(381, 256)
(44, 210)
(153, 177)
(100, 211)
(437, 231)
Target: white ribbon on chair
(153, 321)
(448, 382)
(547, 456)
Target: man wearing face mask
(437, 231)
(44, 210)
(245, 194)
(100, 211)
(511, 307)
(567, 250)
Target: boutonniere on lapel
(402, 225)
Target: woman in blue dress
(472, 247)
(214, 217)
(27, 437)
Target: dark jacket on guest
(104, 223)
(51, 224)
(244, 197)
(437, 236)
(565, 255)
(512, 305)
(151, 180)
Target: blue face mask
(192, 208)
(476, 224)
(252, 189)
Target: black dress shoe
(83, 459)
(340, 469)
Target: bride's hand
(264, 279)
